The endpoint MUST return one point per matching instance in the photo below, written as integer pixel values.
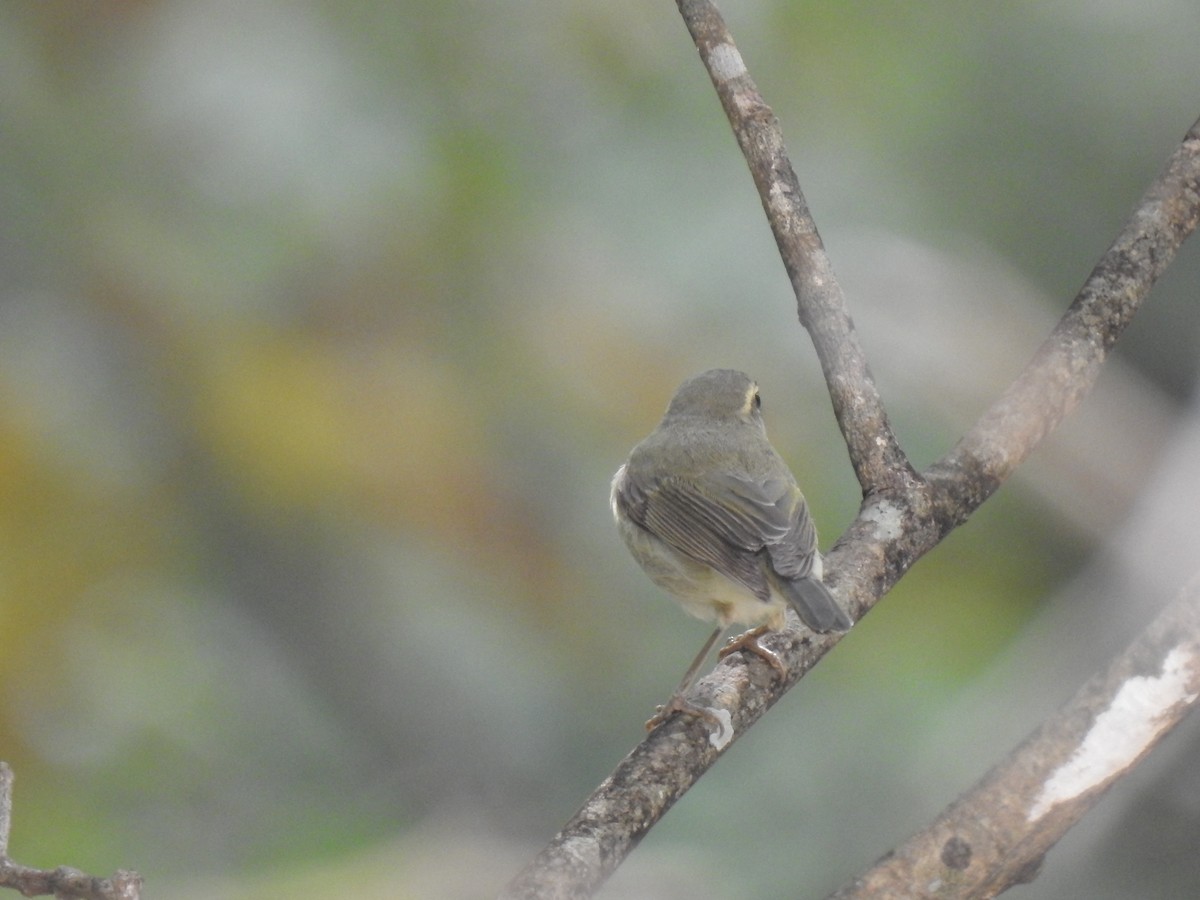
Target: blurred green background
(323, 327)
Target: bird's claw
(750, 641)
(679, 704)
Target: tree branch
(904, 515)
(1067, 364)
(63, 882)
(996, 834)
(875, 454)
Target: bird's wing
(780, 513)
(792, 555)
(721, 520)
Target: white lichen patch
(726, 62)
(887, 517)
(723, 734)
(1121, 733)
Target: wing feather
(726, 522)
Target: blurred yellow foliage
(302, 420)
(60, 534)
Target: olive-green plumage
(714, 516)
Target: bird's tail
(814, 604)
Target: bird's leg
(750, 641)
(677, 703)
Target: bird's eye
(757, 401)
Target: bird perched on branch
(712, 513)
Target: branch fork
(979, 845)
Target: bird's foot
(750, 641)
(720, 721)
(680, 704)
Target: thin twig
(6, 789)
(63, 882)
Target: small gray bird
(714, 516)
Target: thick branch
(996, 834)
(656, 773)
(875, 453)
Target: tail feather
(814, 604)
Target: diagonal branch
(996, 834)
(904, 515)
(875, 453)
(1066, 366)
